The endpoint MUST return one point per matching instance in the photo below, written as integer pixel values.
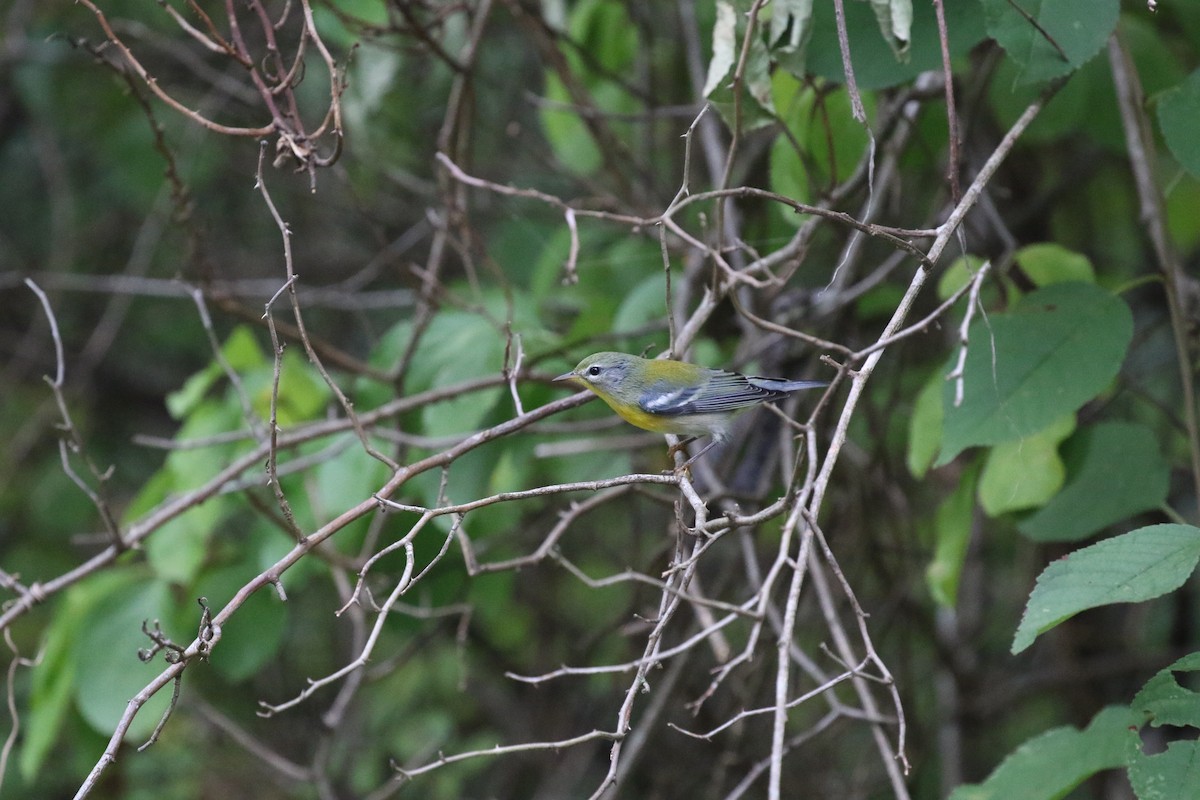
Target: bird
(666, 396)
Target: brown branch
(272, 575)
(136, 532)
(71, 441)
(1139, 142)
(951, 113)
(159, 92)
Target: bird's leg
(702, 451)
(675, 448)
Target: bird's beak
(566, 376)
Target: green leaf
(109, 670)
(49, 701)
(241, 349)
(895, 23)
(1173, 775)
(825, 144)
(251, 637)
(154, 491)
(789, 176)
(1048, 263)
(1178, 110)
(181, 403)
(506, 624)
(1025, 473)
(179, 548)
(958, 275)
(192, 466)
(352, 473)
(602, 29)
(1121, 472)
(1183, 224)
(457, 346)
(757, 108)
(1085, 109)
(724, 45)
(1057, 349)
(1136, 566)
(53, 682)
(302, 395)
(1079, 28)
(791, 27)
(875, 62)
(1164, 702)
(569, 138)
(1050, 765)
(329, 18)
(241, 352)
(642, 304)
(952, 530)
(925, 426)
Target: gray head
(604, 373)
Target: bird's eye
(594, 370)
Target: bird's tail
(778, 385)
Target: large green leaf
(1046, 263)
(457, 346)
(895, 23)
(1079, 28)
(1025, 473)
(109, 670)
(191, 466)
(302, 393)
(643, 304)
(1178, 110)
(1051, 764)
(241, 352)
(1057, 349)
(329, 18)
(602, 29)
(729, 32)
(569, 137)
(179, 548)
(1085, 109)
(1136, 566)
(875, 63)
(53, 682)
(1165, 702)
(960, 273)
(952, 531)
(724, 47)
(1173, 775)
(790, 28)
(925, 426)
(1121, 473)
(825, 142)
(252, 636)
(338, 481)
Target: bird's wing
(722, 391)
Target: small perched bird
(677, 397)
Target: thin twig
(407, 773)
(956, 374)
